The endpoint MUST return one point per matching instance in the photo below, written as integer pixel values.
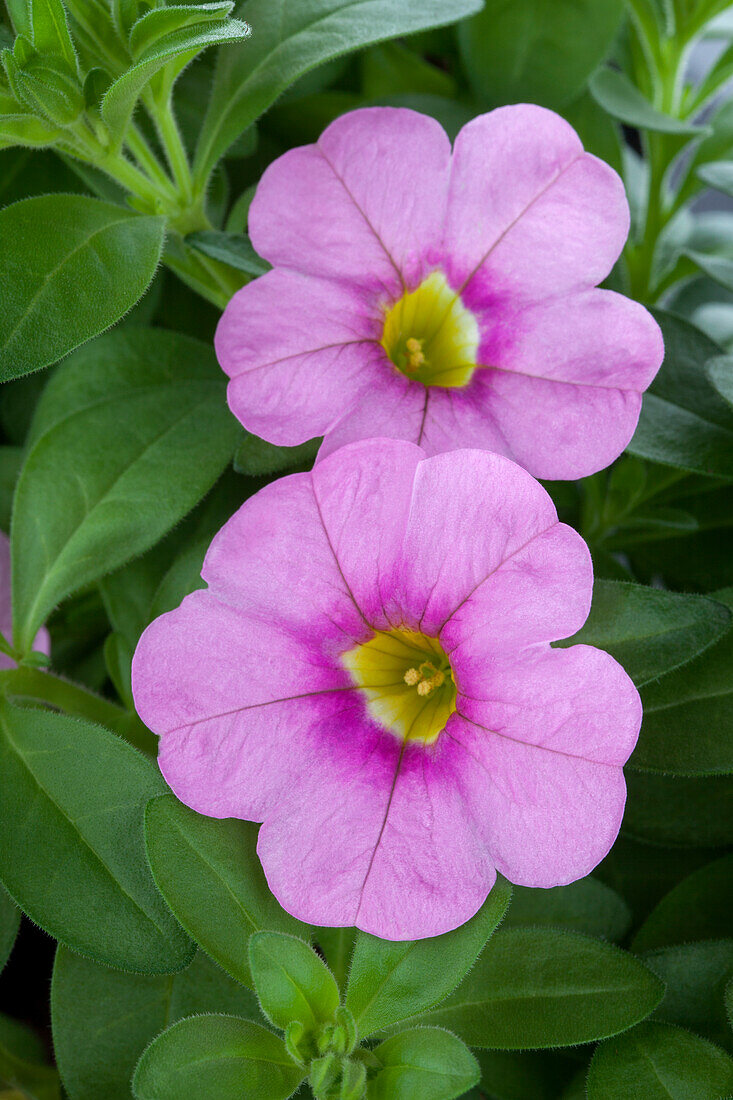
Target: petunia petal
(382, 841)
(365, 204)
(298, 350)
(530, 215)
(394, 409)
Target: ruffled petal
(365, 204)
(393, 409)
(298, 350)
(530, 215)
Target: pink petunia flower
(369, 674)
(446, 299)
(42, 641)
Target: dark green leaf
(394, 69)
(293, 36)
(292, 983)
(256, 457)
(529, 1075)
(696, 975)
(664, 809)
(688, 716)
(535, 52)
(391, 980)
(425, 1062)
(9, 925)
(70, 267)
(103, 1019)
(11, 459)
(230, 248)
(698, 908)
(650, 631)
(536, 987)
(21, 1065)
(135, 431)
(216, 1057)
(337, 945)
(659, 1062)
(684, 421)
(209, 873)
(616, 94)
(584, 906)
(71, 846)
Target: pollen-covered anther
(425, 678)
(427, 686)
(412, 677)
(415, 354)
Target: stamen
(415, 356)
(434, 682)
(412, 677)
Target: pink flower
(369, 674)
(445, 299)
(42, 641)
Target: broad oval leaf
(696, 976)
(135, 430)
(391, 980)
(684, 421)
(426, 1062)
(293, 36)
(659, 1062)
(217, 1057)
(103, 1019)
(616, 94)
(587, 905)
(698, 908)
(536, 988)
(688, 715)
(292, 983)
(535, 52)
(648, 630)
(209, 873)
(70, 266)
(9, 925)
(71, 847)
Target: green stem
(148, 161)
(170, 136)
(45, 687)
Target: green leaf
(51, 32)
(391, 980)
(584, 906)
(293, 36)
(256, 457)
(292, 983)
(70, 267)
(394, 69)
(337, 945)
(181, 46)
(616, 94)
(25, 129)
(535, 52)
(684, 421)
(659, 1062)
(9, 925)
(529, 1075)
(696, 975)
(135, 431)
(719, 175)
(71, 846)
(216, 1057)
(698, 908)
(21, 1068)
(156, 24)
(663, 809)
(11, 460)
(648, 630)
(536, 987)
(229, 248)
(425, 1062)
(209, 873)
(688, 716)
(103, 1019)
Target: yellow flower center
(408, 683)
(430, 335)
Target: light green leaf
(158, 22)
(698, 908)
(584, 906)
(337, 945)
(659, 1062)
(535, 52)
(135, 431)
(71, 846)
(616, 94)
(648, 630)
(293, 36)
(103, 1019)
(424, 1062)
(70, 267)
(25, 129)
(536, 987)
(51, 32)
(391, 980)
(292, 983)
(209, 873)
(216, 1057)
(181, 46)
